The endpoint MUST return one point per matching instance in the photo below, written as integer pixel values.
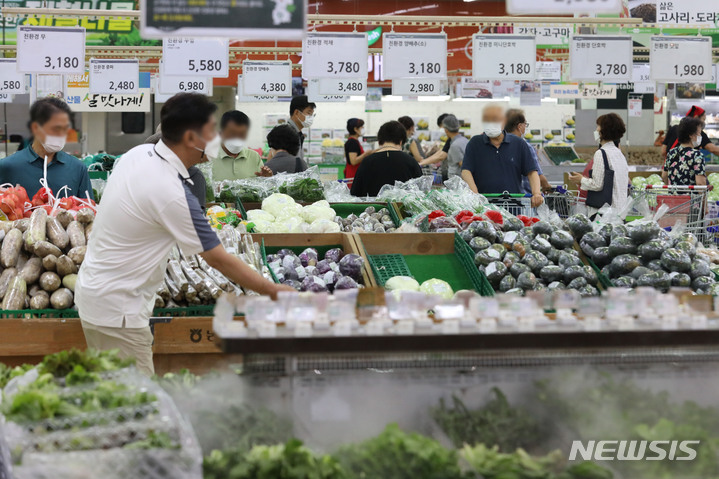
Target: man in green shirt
(235, 160)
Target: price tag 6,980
(417, 87)
(170, 85)
(504, 57)
(415, 55)
(50, 49)
(601, 58)
(681, 59)
(11, 81)
(273, 78)
(200, 57)
(114, 76)
(334, 55)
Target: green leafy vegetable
(93, 361)
(306, 190)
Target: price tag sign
(314, 95)
(11, 81)
(334, 55)
(546, 36)
(642, 78)
(338, 86)
(563, 7)
(681, 59)
(243, 98)
(601, 58)
(170, 85)
(272, 78)
(200, 57)
(50, 49)
(116, 76)
(415, 55)
(417, 87)
(504, 57)
(550, 71)
(688, 12)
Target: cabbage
(655, 180)
(260, 215)
(402, 283)
(437, 287)
(639, 182)
(315, 212)
(345, 282)
(262, 226)
(309, 257)
(276, 203)
(290, 225)
(314, 284)
(323, 226)
(351, 265)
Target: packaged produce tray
(343, 210)
(424, 256)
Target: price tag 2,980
(11, 82)
(114, 76)
(201, 57)
(601, 58)
(417, 87)
(415, 55)
(504, 57)
(681, 59)
(334, 55)
(50, 49)
(272, 78)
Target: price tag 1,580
(415, 55)
(334, 86)
(601, 58)
(417, 87)
(50, 49)
(681, 59)
(504, 57)
(334, 55)
(11, 82)
(116, 76)
(272, 78)
(200, 57)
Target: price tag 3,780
(272, 78)
(199, 57)
(50, 49)
(601, 58)
(504, 57)
(334, 55)
(114, 76)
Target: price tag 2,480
(200, 57)
(417, 87)
(11, 82)
(504, 57)
(114, 76)
(681, 59)
(273, 78)
(601, 58)
(50, 49)
(415, 55)
(334, 55)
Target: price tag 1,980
(50, 49)
(681, 59)
(601, 58)
(11, 82)
(118, 76)
(171, 84)
(272, 78)
(504, 57)
(339, 86)
(334, 55)
(200, 57)
(417, 87)
(415, 55)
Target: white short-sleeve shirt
(146, 209)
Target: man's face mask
(234, 145)
(212, 147)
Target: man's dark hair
(284, 137)
(182, 112)
(440, 119)
(515, 117)
(234, 116)
(392, 132)
(43, 109)
(611, 127)
(688, 127)
(406, 121)
(300, 103)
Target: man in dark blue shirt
(49, 123)
(495, 162)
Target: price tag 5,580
(202, 57)
(504, 57)
(11, 82)
(273, 78)
(114, 76)
(415, 55)
(50, 49)
(334, 55)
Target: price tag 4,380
(114, 76)
(601, 58)
(681, 59)
(272, 78)
(504, 57)
(334, 55)
(50, 49)
(11, 82)
(200, 57)
(415, 55)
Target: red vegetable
(494, 216)
(436, 214)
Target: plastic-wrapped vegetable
(437, 287)
(676, 260)
(579, 225)
(402, 283)
(334, 255)
(309, 257)
(345, 282)
(351, 265)
(313, 284)
(14, 298)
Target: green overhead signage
(373, 36)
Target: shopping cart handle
(561, 190)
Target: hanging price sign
(504, 57)
(243, 98)
(334, 55)
(415, 55)
(272, 78)
(114, 76)
(688, 12)
(171, 84)
(351, 86)
(601, 58)
(642, 79)
(6, 98)
(681, 59)
(50, 49)
(200, 57)
(314, 95)
(417, 87)
(550, 7)
(11, 81)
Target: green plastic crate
(386, 266)
(265, 250)
(466, 257)
(198, 310)
(343, 210)
(604, 280)
(39, 313)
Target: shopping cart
(565, 202)
(513, 203)
(686, 205)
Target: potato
(69, 282)
(37, 229)
(34, 289)
(76, 233)
(32, 270)
(6, 226)
(11, 246)
(57, 234)
(49, 281)
(40, 301)
(49, 262)
(77, 254)
(85, 216)
(44, 248)
(22, 224)
(5, 279)
(64, 217)
(65, 266)
(61, 299)
(88, 230)
(15, 296)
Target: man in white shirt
(147, 208)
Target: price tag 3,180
(171, 84)
(601, 58)
(199, 57)
(681, 59)
(415, 55)
(50, 49)
(335, 86)
(273, 78)
(11, 81)
(334, 55)
(114, 76)
(504, 57)
(417, 87)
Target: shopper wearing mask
(412, 146)
(609, 162)
(441, 155)
(672, 141)
(387, 164)
(302, 115)
(354, 153)
(495, 162)
(147, 208)
(516, 124)
(50, 121)
(458, 145)
(284, 145)
(685, 164)
(235, 161)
